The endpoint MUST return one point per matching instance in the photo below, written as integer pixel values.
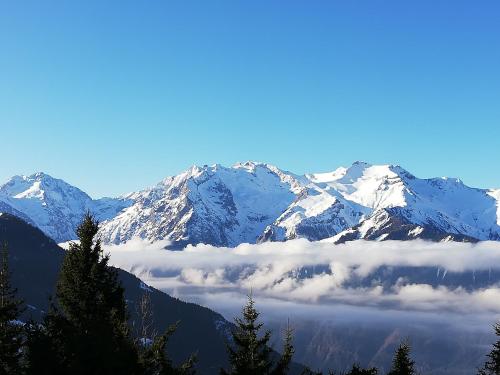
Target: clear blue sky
(112, 96)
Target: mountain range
(256, 202)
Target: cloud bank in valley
(320, 276)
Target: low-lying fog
(350, 302)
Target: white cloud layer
(317, 277)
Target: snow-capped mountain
(255, 202)
(387, 202)
(216, 205)
(53, 205)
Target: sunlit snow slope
(255, 202)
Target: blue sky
(113, 96)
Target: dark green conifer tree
(250, 353)
(283, 365)
(156, 362)
(492, 365)
(402, 364)
(152, 348)
(10, 328)
(88, 325)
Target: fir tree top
(93, 312)
(402, 364)
(250, 353)
(88, 290)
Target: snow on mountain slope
(450, 206)
(496, 195)
(442, 205)
(387, 202)
(252, 202)
(392, 224)
(215, 205)
(336, 201)
(374, 187)
(52, 204)
(315, 214)
(6, 208)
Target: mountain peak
(40, 175)
(55, 206)
(250, 165)
(358, 170)
(360, 163)
(250, 200)
(197, 170)
(29, 180)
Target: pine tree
(249, 354)
(156, 362)
(492, 365)
(152, 347)
(87, 330)
(402, 364)
(10, 329)
(285, 359)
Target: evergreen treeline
(87, 329)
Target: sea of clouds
(312, 279)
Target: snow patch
(415, 232)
